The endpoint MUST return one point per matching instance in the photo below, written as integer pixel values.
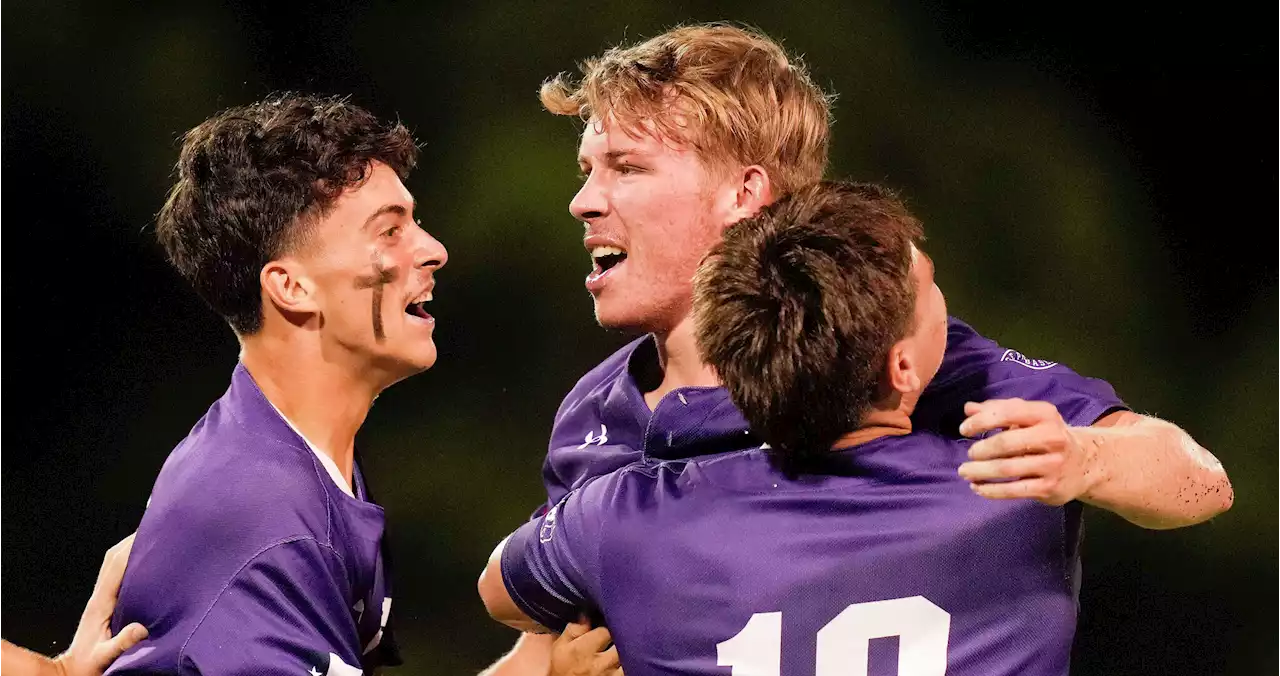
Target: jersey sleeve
(976, 368)
(286, 612)
(551, 565)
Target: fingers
(113, 565)
(574, 629)
(107, 652)
(106, 590)
(1022, 441)
(1005, 414)
(595, 640)
(1022, 467)
(1034, 489)
(606, 663)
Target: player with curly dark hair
(260, 550)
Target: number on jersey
(922, 629)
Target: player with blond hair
(700, 127)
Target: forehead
(381, 187)
(921, 262)
(605, 138)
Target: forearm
(531, 656)
(1152, 473)
(18, 661)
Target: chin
(632, 322)
(615, 320)
(411, 362)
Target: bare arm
(1149, 471)
(579, 651)
(1153, 473)
(498, 601)
(531, 656)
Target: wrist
(1093, 444)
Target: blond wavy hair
(731, 93)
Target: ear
(754, 192)
(286, 285)
(902, 370)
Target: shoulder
(227, 485)
(599, 378)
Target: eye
(584, 174)
(628, 169)
(392, 231)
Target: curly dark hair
(253, 179)
(797, 309)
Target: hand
(580, 651)
(1037, 455)
(93, 649)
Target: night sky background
(1098, 184)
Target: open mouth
(418, 308)
(606, 258)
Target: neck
(680, 362)
(326, 400)
(886, 419)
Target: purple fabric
(249, 559)
(678, 556)
(604, 424)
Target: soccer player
(260, 550)
(849, 526)
(697, 128)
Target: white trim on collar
(330, 466)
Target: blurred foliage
(1053, 220)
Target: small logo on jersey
(592, 439)
(1019, 358)
(548, 525)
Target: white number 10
(921, 626)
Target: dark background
(1098, 184)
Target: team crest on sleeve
(1019, 358)
(548, 525)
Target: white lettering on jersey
(592, 439)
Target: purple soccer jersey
(604, 423)
(251, 560)
(885, 564)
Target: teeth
(601, 251)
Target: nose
(430, 253)
(591, 202)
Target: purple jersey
(885, 564)
(251, 560)
(604, 423)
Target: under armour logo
(592, 439)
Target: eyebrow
(614, 155)
(397, 209)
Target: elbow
(1210, 498)
(497, 601)
(1222, 496)
(488, 595)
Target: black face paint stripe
(377, 281)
